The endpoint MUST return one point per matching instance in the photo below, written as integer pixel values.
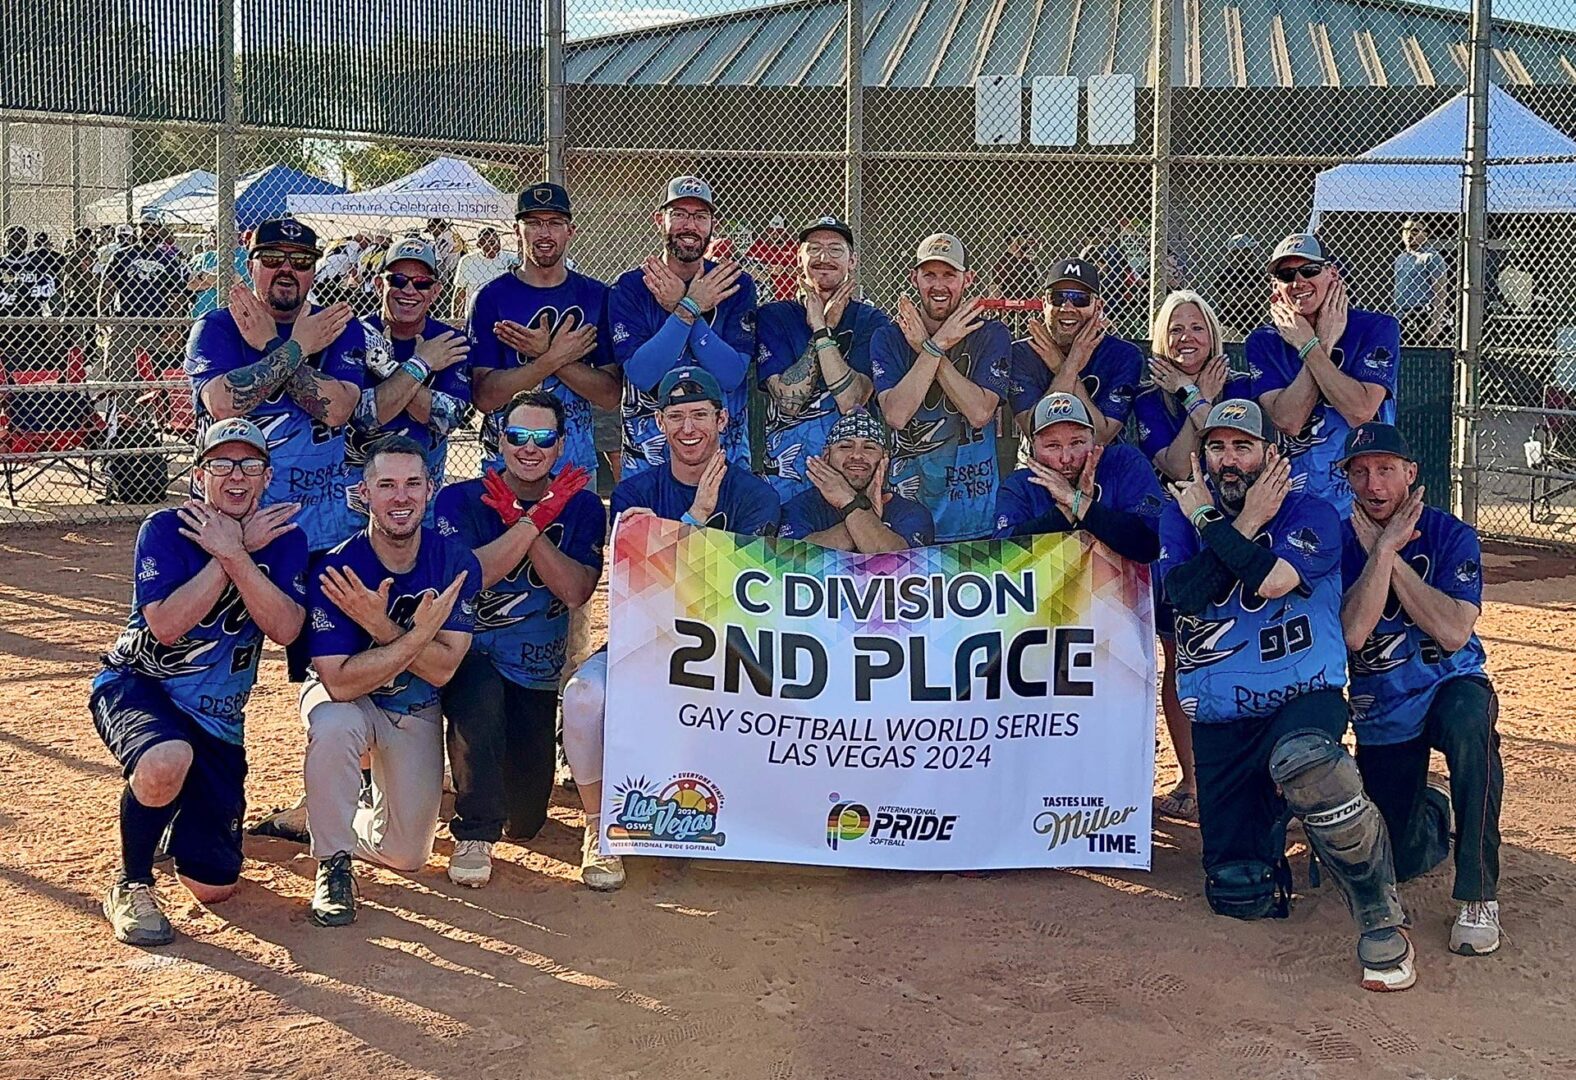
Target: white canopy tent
(447, 188)
(1515, 131)
(148, 200)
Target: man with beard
(538, 538)
(296, 371)
(141, 281)
(679, 310)
(379, 658)
(543, 325)
(1073, 482)
(1071, 350)
(849, 507)
(1323, 367)
(940, 373)
(425, 387)
(814, 354)
(211, 578)
(1414, 588)
(1252, 568)
(699, 486)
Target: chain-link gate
(1432, 147)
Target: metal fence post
(5, 174)
(554, 82)
(1160, 182)
(225, 159)
(854, 129)
(1469, 346)
(76, 177)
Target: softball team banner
(968, 706)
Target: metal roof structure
(930, 43)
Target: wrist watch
(860, 501)
(1206, 516)
(822, 334)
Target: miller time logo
(682, 811)
(1064, 819)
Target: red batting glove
(496, 494)
(564, 487)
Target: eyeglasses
(546, 438)
(220, 466)
(1307, 270)
(694, 217)
(400, 281)
(1077, 298)
(830, 251)
(298, 260)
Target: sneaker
(289, 824)
(1388, 960)
(334, 898)
(603, 873)
(132, 909)
(471, 863)
(1476, 929)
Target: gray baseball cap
(1240, 414)
(1299, 245)
(235, 429)
(418, 248)
(688, 187)
(1059, 408)
(941, 247)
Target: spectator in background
(774, 256)
(1422, 286)
(141, 281)
(111, 240)
(77, 294)
(448, 245)
(21, 297)
(202, 279)
(477, 268)
(336, 274)
(1239, 288)
(1015, 277)
(369, 264)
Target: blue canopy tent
(259, 195)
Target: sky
(588, 18)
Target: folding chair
(1551, 453)
(38, 430)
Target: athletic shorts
(133, 714)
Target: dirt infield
(690, 972)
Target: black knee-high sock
(140, 830)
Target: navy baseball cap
(684, 385)
(285, 233)
(235, 429)
(1080, 271)
(1375, 438)
(543, 197)
(1240, 414)
(830, 223)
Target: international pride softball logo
(846, 821)
(684, 811)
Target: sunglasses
(298, 260)
(400, 281)
(1308, 270)
(1077, 298)
(220, 466)
(546, 438)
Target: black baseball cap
(1375, 438)
(1082, 271)
(543, 197)
(285, 233)
(684, 385)
(831, 223)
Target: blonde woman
(1187, 375)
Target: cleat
(602, 873)
(471, 863)
(1476, 929)
(132, 909)
(288, 825)
(1388, 959)
(334, 898)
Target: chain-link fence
(1432, 146)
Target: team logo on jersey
(1199, 642)
(916, 439)
(685, 810)
(1361, 705)
(1304, 540)
(1379, 654)
(1468, 571)
(138, 650)
(320, 620)
(148, 569)
(1378, 360)
(1312, 434)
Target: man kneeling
(379, 655)
(848, 506)
(1252, 568)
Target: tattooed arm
(798, 386)
(328, 400)
(238, 392)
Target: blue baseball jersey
(1370, 352)
(1158, 424)
(1399, 668)
(1110, 378)
(333, 633)
(938, 459)
(1123, 481)
(648, 342)
(520, 624)
(507, 298)
(308, 456)
(746, 504)
(1244, 656)
(809, 512)
(210, 671)
(782, 337)
(449, 389)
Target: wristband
(689, 305)
(823, 334)
(416, 368)
(1077, 501)
(1199, 402)
(841, 384)
(860, 501)
(1202, 516)
(824, 343)
(1190, 391)
(930, 346)
(1312, 343)
(689, 519)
